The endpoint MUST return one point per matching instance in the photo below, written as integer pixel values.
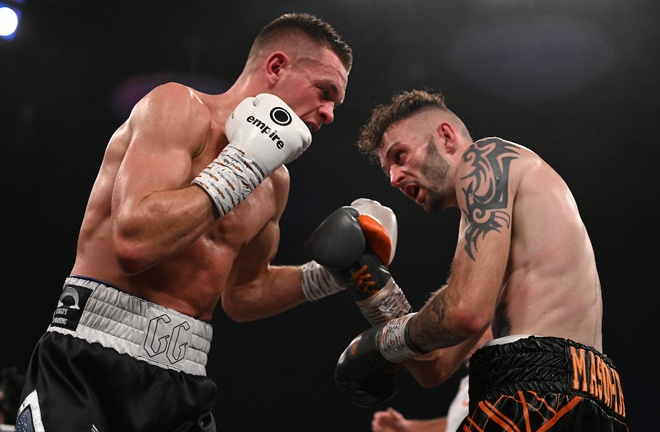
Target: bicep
(485, 200)
(161, 140)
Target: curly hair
(402, 106)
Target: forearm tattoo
(487, 190)
(430, 328)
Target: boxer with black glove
(365, 372)
(352, 249)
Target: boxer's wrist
(317, 282)
(229, 179)
(388, 303)
(394, 342)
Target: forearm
(442, 323)
(276, 290)
(436, 367)
(161, 225)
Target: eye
(324, 92)
(397, 157)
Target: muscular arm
(257, 289)
(466, 306)
(276, 290)
(155, 211)
(436, 367)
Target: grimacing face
(415, 165)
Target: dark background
(574, 80)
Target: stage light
(10, 18)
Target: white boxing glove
(264, 133)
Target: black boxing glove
(355, 244)
(366, 370)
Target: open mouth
(412, 191)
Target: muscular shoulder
(171, 96)
(495, 164)
(486, 168)
(174, 113)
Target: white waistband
(130, 325)
(507, 339)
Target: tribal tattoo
(487, 192)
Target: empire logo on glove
(278, 115)
(255, 125)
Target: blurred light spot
(532, 60)
(8, 22)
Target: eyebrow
(391, 149)
(387, 154)
(334, 89)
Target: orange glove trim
(377, 237)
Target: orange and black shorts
(544, 384)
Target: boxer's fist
(267, 131)
(365, 372)
(363, 376)
(356, 246)
(263, 134)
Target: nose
(396, 176)
(327, 113)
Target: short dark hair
(314, 28)
(402, 106)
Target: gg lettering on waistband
(148, 332)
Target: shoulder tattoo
(487, 189)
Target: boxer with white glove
(354, 245)
(365, 372)
(264, 133)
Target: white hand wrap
(263, 133)
(230, 178)
(388, 303)
(317, 282)
(392, 340)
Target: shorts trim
(98, 313)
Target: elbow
(234, 308)
(431, 381)
(130, 257)
(430, 370)
(235, 315)
(469, 320)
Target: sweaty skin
(523, 261)
(149, 231)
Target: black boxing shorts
(111, 361)
(543, 384)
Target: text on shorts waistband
(146, 331)
(594, 376)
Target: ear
(275, 63)
(447, 132)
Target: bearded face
(435, 170)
